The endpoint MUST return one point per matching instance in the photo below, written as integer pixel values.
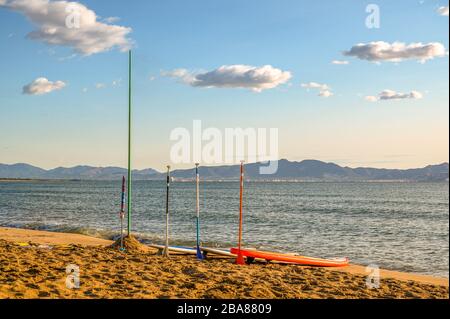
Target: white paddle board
(216, 251)
(175, 249)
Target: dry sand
(33, 265)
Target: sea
(400, 226)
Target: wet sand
(33, 265)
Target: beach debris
(45, 247)
(23, 244)
(33, 245)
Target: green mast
(129, 145)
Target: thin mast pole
(122, 212)
(129, 145)
(240, 258)
(197, 182)
(166, 248)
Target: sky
(336, 90)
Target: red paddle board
(289, 258)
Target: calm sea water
(400, 226)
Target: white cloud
(396, 52)
(340, 62)
(371, 98)
(325, 93)
(42, 86)
(324, 89)
(393, 95)
(100, 85)
(443, 11)
(57, 24)
(84, 90)
(315, 85)
(233, 76)
(111, 19)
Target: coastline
(221, 180)
(32, 266)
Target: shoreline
(32, 266)
(43, 237)
(206, 180)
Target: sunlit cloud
(393, 95)
(324, 89)
(70, 24)
(42, 86)
(233, 76)
(443, 11)
(396, 52)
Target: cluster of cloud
(380, 51)
(249, 77)
(324, 90)
(393, 95)
(42, 86)
(74, 25)
(443, 11)
(71, 24)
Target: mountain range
(307, 170)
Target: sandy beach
(33, 265)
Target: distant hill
(20, 171)
(77, 172)
(313, 170)
(307, 170)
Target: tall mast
(166, 247)
(240, 257)
(197, 181)
(129, 144)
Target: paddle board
(216, 251)
(290, 258)
(175, 249)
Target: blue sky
(73, 126)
